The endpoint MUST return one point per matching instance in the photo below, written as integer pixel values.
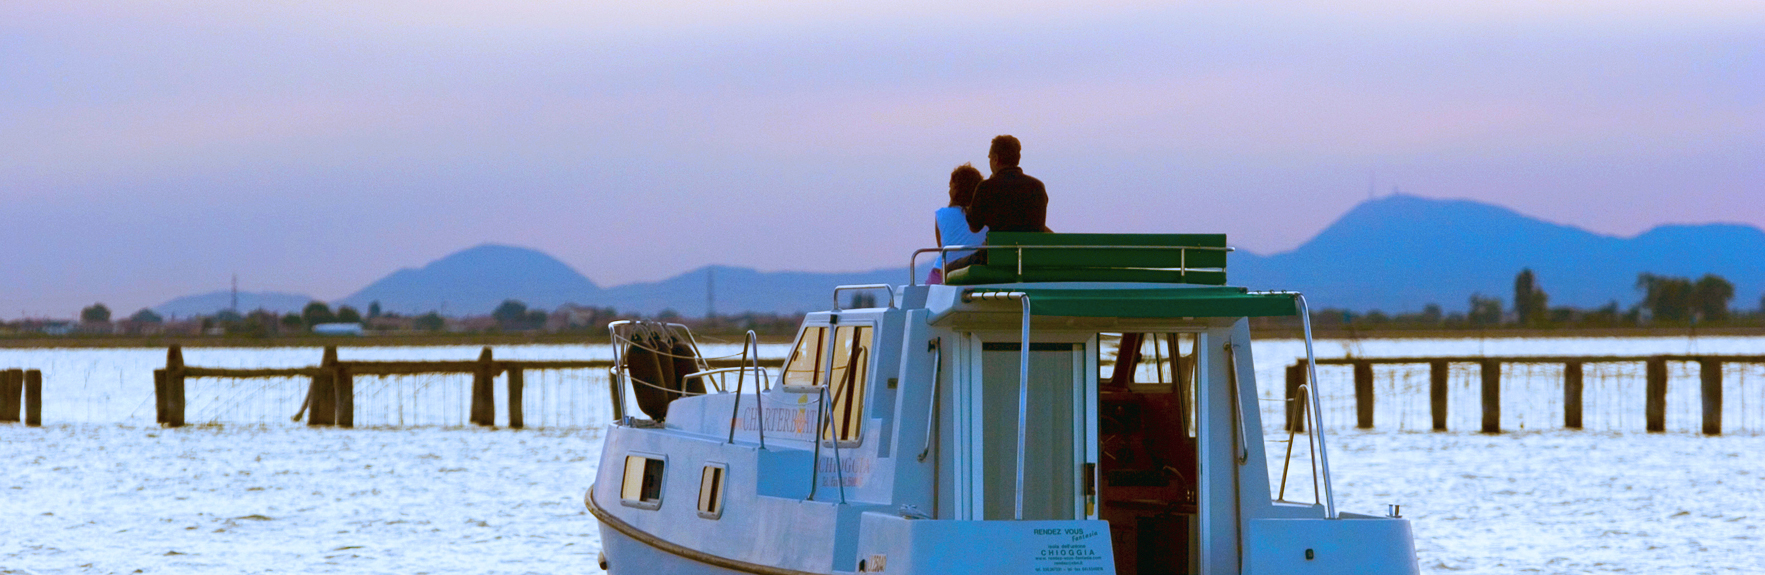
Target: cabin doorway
(1056, 438)
(1147, 442)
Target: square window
(642, 484)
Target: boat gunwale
(609, 519)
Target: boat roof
(1111, 276)
(1147, 302)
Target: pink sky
(152, 149)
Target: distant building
(338, 329)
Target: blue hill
(475, 280)
(210, 303)
(1402, 252)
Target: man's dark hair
(1006, 149)
(963, 181)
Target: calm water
(101, 490)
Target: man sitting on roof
(1009, 201)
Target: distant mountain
(475, 280)
(742, 289)
(209, 303)
(1401, 252)
(1397, 253)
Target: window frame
(661, 480)
(717, 492)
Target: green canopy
(1154, 303)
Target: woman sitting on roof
(952, 221)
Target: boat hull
(626, 555)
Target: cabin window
(808, 369)
(851, 371)
(711, 491)
(807, 360)
(642, 485)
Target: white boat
(1081, 403)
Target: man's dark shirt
(1009, 202)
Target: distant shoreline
(481, 339)
(401, 340)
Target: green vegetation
(316, 313)
(1667, 302)
(95, 313)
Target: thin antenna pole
(235, 307)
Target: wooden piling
(1363, 394)
(1295, 409)
(1438, 372)
(1656, 408)
(34, 398)
(11, 386)
(1491, 396)
(343, 383)
(483, 395)
(1710, 371)
(1572, 394)
(160, 397)
(174, 386)
(321, 394)
(516, 382)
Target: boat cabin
(1080, 403)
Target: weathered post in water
(483, 395)
(1572, 394)
(159, 396)
(34, 398)
(321, 394)
(516, 382)
(1491, 396)
(11, 386)
(343, 383)
(174, 386)
(1656, 408)
(1295, 409)
(1710, 371)
(1438, 372)
(1363, 394)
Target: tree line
(511, 316)
(1665, 301)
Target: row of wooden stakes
(330, 397)
(1655, 388)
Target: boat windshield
(808, 370)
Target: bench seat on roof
(1137, 258)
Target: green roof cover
(1155, 303)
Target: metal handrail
(1023, 380)
(620, 374)
(1317, 430)
(931, 410)
(944, 267)
(752, 340)
(838, 289)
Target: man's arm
(980, 210)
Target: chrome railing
(838, 289)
